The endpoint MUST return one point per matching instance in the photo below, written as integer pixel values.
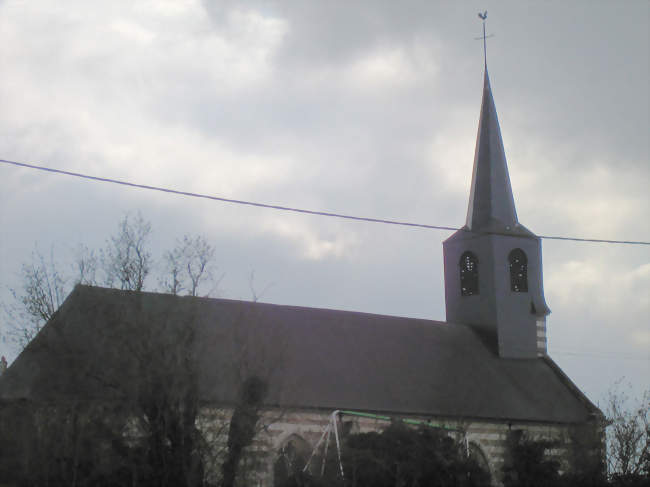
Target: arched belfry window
(518, 264)
(468, 274)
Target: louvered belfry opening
(468, 274)
(518, 264)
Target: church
(484, 372)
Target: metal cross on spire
(483, 16)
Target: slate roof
(491, 203)
(311, 358)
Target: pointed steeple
(493, 265)
(491, 203)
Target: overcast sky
(367, 108)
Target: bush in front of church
(404, 456)
(399, 455)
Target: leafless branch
(628, 433)
(42, 291)
(126, 260)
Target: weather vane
(483, 16)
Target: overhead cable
(288, 208)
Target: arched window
(468, 274)
(518, 264)
(291, 460)
(475, 452)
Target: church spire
(491, 203)
(493, 265)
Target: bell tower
(493, 264)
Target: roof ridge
(261, 303)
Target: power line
(288, 208)
(603, 355)
(226, 200)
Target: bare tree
(86, 265)
(125, 263)
(628, 434)
(243, 426)
(42, 291)
(256, 296)
(188, 266)
(172, 278)
(164, 398)
(126, 260)
(199, 255)
(137, 426)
